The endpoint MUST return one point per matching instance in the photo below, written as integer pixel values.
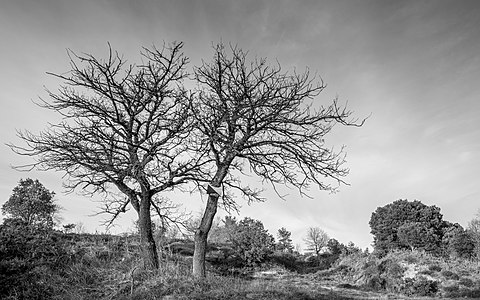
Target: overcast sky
(413, 65)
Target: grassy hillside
(410, 273)
(53, 265)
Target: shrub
(373, 273)
(435, 268)
(28, 256)
(461, 244)
(420, 286)
(464, 273)
(425, 224)
(411, 258)
(375, 282)
(451, 289)
(450, 275)
(287, 260)
(394, 269)
(251, 241)
(426, 272)
(466, 282)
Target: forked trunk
(147, 242)
(201, 236)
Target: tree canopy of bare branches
(136, 129)
(316, 239)
(124, 126)
(255, 117)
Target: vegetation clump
(243, 260)
(411, 273)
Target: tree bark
(201, 236)
(147, 242)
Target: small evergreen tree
(416, 235)
(387, 220)
(251, 241)
(351, 248)
(31, 203)
(284, 241)
(457, 242)
(335, 247)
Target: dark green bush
(251, 241)
(287, 260)
(384, 274)
(426, 272)
(451, 289)
(394, 270)
(419, 286)
(464, 273)
(466, 282)
(376, 283)
(454, 291)
(474, 293)
(435, 268)
(450, 275)
(411, 259)
(28, 256)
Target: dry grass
(413, 273)
(108, 267)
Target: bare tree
(474, 231)
(257, 119)
(124, 126)
(316, 239)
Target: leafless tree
(474, 231)
(316, 239)
(257, 119)
(125, 126)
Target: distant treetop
(31, 203)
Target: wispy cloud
(414, 65)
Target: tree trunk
(201, 236)
(147, 242)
